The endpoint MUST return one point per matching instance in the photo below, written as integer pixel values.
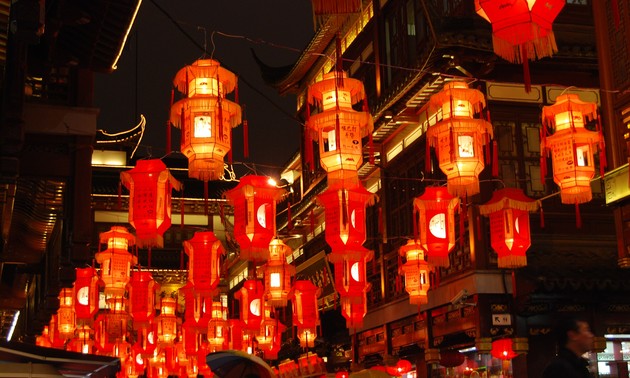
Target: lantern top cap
(569, 102)
(436, 197)
(259, 186)
(336, 81)
(457, 90)
(410, 246)
(117, 232)
(205, 68)
(509, 198)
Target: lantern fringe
(511, 262)
(508, 203)
(585, 195)
(152, 241)
(463, 189)
(537, 48)
(418, 299)
(439, 260)
(436, 205)
(358, 254)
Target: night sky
(276, 30)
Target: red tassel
(120, 196)
(461, 227)
(578, 216)
(542, 217)
(205, 198)
(526, 77)
(495, 159)
(487, 155)
(312, 222)
(182, 210)
(230, 160)
(615, 9)
(245, 135)
(513, 283)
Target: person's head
(574, 334)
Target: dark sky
(157, 49)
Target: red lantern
(83, 341)
(459, 137)
(401, 367)
(167, 322)
(416, 271)
(270, 331)
(149, 184)
(109, 328)
(43, 340)
(251, 300)
(193, 305)
(305, 311)
(116, 261)
(502, 349)
(86, 288)
(204, 252)
(437, 223)
(354, 309)
(217, 327)
(142, 292)
(350, 272)
(509, 210)
(521, 29)
(342, 374)
(278, 274)
(65, 314)
(451, 358)
(254, 200)
(205, 117)
(190, 335)
(572, 146)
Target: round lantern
(86, 287)
(436, 226)
(254, 200)
(66, 321)
(116, 260)
(416, 271)
(142, 293)
(338, 127)
(205, 117)
(571, 146)
(167, 322)
(502, 349)
(278, 274)
(204, 252)
(305, 311)
(509, 210)
(521, 29)
(342, 374)
(451, 358)
(459, 137)
(401, 367)
(350, 272)
(251, 301)
(149, 184)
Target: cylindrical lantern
(108, 328)
(254, 200)
(217, 327)
(251, 303)
(509, 210)
(116, 261)
(354, 309)
(436, 225)
(572, 146)
(83, 342)
(86, 287)
(305, 311)
(43, 340)
(350, 272)
(204, 252)
(502, 349)
(66, 321)
(167, 322)
(278, 274)
(142, 295)
(269, 329)
(416, 271)
(149, 184)
(205, 117)
(459, 137)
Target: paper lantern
(235, 336)
(342, 374)
(459, 137)
(43, 339)
(142, 294)
(167, 322)
(83, 342)
(217, 327)
(502, 349)
(193, 304)
(254, 200)
(55, 337)
(278, 274)
(251, 301)
(416, 271)
(149, 184)
(451, 358)
(190, 336)
(305, 311)
(350, 272)
(354, 309)
(509, 210)
(571, 146)
(270, 329)
(205, 116)
(521, 29)
(204, 252)
(86, 287)
(66, 321)
(116, 261)
(338, 127)
(436, 225)
(401, 367)
(108, 329)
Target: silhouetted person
(574, 338)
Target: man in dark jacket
(574, 339)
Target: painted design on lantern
(139, 359)
(331, 143)
(254, 307)
(353, 217)
(354, 271)
(261, 215)
(437, 226)
(203, 126)
(582, 153)
(274, 280)
(83, 296)
(466, 146)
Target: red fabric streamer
(578, 216)
(526, 76)
(495, 159)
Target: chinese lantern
(305, 311)
(116, 261)
(521, 29)
(342, 374)
(354, 309)
(83, 341)
(149, 184)
(217, 327)
(278, 274)
(56, 340)
(270, 329)
(437, 223)
(235, 337)
(142, 292)
(66, 322)
(204, 252)
(571, 146)
(338, 127)
(193, 304)
(86, 288)
(401, 367)
(416, 271)
(108, 328)
(451, 358)
(251, 301)
(43, 340)
(459, 137)
(190, 336)
(254, 200)
(502, 349)
(167, 322)
(205, 116)
(350, 272)
(509, 210)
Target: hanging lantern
(66, 321)
(236, 336)
(572, 146)
(167, 322)
(521, 29)
(190, 336)
(217, 327)
(254, 200)
(310, 364)
(56, 340)
(83, 342)
(270, 329)
(502, 349)
(401, 367)
(109, 328)
(205, 117)
(149, 184)
(251, 301)
(278, 274)
(345, 216)
(338, 127)
(193, 304)
(142, 291)
(350, 272)
(459, 137)
(509, 210)
(451, 358)
(354, 309)
(305, 311)
(86, 287)
(437, 223)
(43, 339)
(116, 261)
(416, 271)
(204, 252)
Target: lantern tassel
(487, 143)
(230, 159)
(245, 135)
(462, 225)
(526, 76)
(578, 216)
(495, 159)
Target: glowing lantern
(416, 271)
(459, 137)
(217, 327)
(278, 274)
(116, 261)
(149, 184)
(571, 146)
(354, 309)
(142, 292)
(83, 341)
(270, 329)
(86, 288)
(167, 322)
(190, 335)
(350, 272)
(437, 223)
(254, 200)
(310, 364)
(235, 337)
(338, 127)
(43, 340)
(66, 321)
(251, 300)
(205, 117)
(305, 311)
(521, 29)
(401, 367)
(55, 337)
(509, 210)
(204, 252)
(502, 349)
(342, 374)
(109, 328)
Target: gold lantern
(66, 321)
(167, 322)
(116, 261)
(278, 274)
(416, 271)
